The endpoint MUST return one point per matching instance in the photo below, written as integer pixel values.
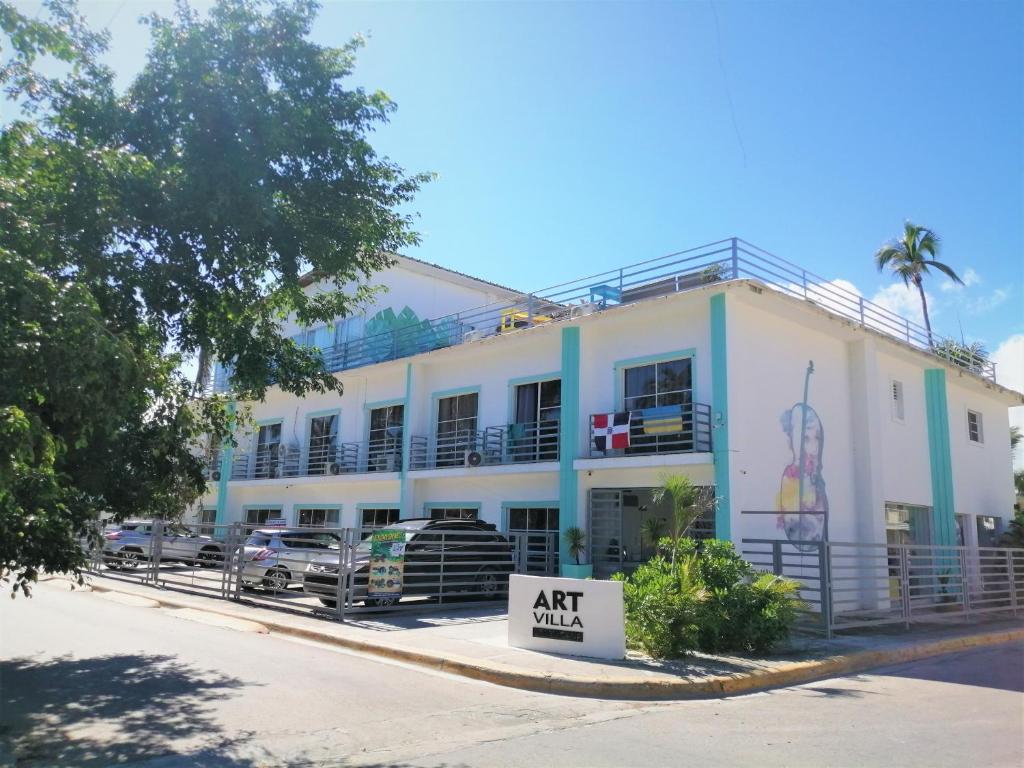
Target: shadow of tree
(107, 710)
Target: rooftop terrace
(681, 271)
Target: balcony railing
(665, 429)
(681, 271)
(383, 455)
(504, 444)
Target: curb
(631, 687)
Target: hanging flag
(665, 420)
(611, 431)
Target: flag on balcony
(611, 431)
(664, 420)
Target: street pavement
(89, 680)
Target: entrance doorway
(618, 520)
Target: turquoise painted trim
(568, 488)
(507, 505)
(620, 367)
(940, 461)
(384, 403)
(403, 500)
(377, 505)
(269, 422)
(326, 412)
(227, 460)
(435, 396)
(720, 416)
(513, 383)
(315, 505)
(429, 505)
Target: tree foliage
(144, 227)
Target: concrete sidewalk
(472, 643)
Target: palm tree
(1015, 437)
(686, 505)
(907, 257)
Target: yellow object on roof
(512, 319)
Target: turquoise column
(568, 489)
(404, 500)
(227, 456)
(940, 462)
(720, 417)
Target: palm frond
(945, 269)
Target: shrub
(662, 606)
(711, 600)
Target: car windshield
(310, 540)
(257, 540)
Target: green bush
(712, 600)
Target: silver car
(130, 543)
(275, 558)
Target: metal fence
(848, 586)
(323, 571)
(501, 444)
(684, 270)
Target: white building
(721, 356)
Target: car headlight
(315, 568)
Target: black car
(443, 558)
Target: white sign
(577, 617)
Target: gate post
(1013, 580)
(156, 542)
(825, 587)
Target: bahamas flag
(665, 420)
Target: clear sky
(575, 137)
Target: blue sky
(569, 138)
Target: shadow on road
(1000, 667)
(107, 710)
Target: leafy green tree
(910, 258)
(688, 504)
(171, 221)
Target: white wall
(906, 467)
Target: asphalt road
(88, 681)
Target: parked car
(127, 544)
(275, 558)
(442, 558)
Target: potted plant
(576, 540)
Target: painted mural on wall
(802, 500)
(389, 335)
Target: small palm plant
(576, 540)
(652, 530)
(687, 506)
(908, 258)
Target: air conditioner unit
(215, 475)
(474, 458)
(474, 335)
(334, 468)
(584, 309)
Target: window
(268, 451)
(907, 524)
(534, 434)
(323, 439)
(262, 516)
(453, 513)
(659, 385)
(456, 428)
(975, 432)
(207, 518)
(987, 531)
(310, 540)
(384, 451)
(317, 518)
(379, 517)
(896, 391)
(538, 532)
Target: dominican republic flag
(611, 431)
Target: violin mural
(802, 500)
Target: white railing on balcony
(692, 436)
(504, 444)
(383, 455)
(684, 270)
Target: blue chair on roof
(602, 294)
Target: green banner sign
(387, 564)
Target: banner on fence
(387, 564)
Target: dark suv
(443, 558)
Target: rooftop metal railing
(680, 271)
(665, 429)
(502, 444)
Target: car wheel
(130, 559)
(277, 579)
(488, 585)
(209, 558)
(332, 604)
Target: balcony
(384, 455)
(665, 429)
(505, 444)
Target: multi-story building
(809, 411)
